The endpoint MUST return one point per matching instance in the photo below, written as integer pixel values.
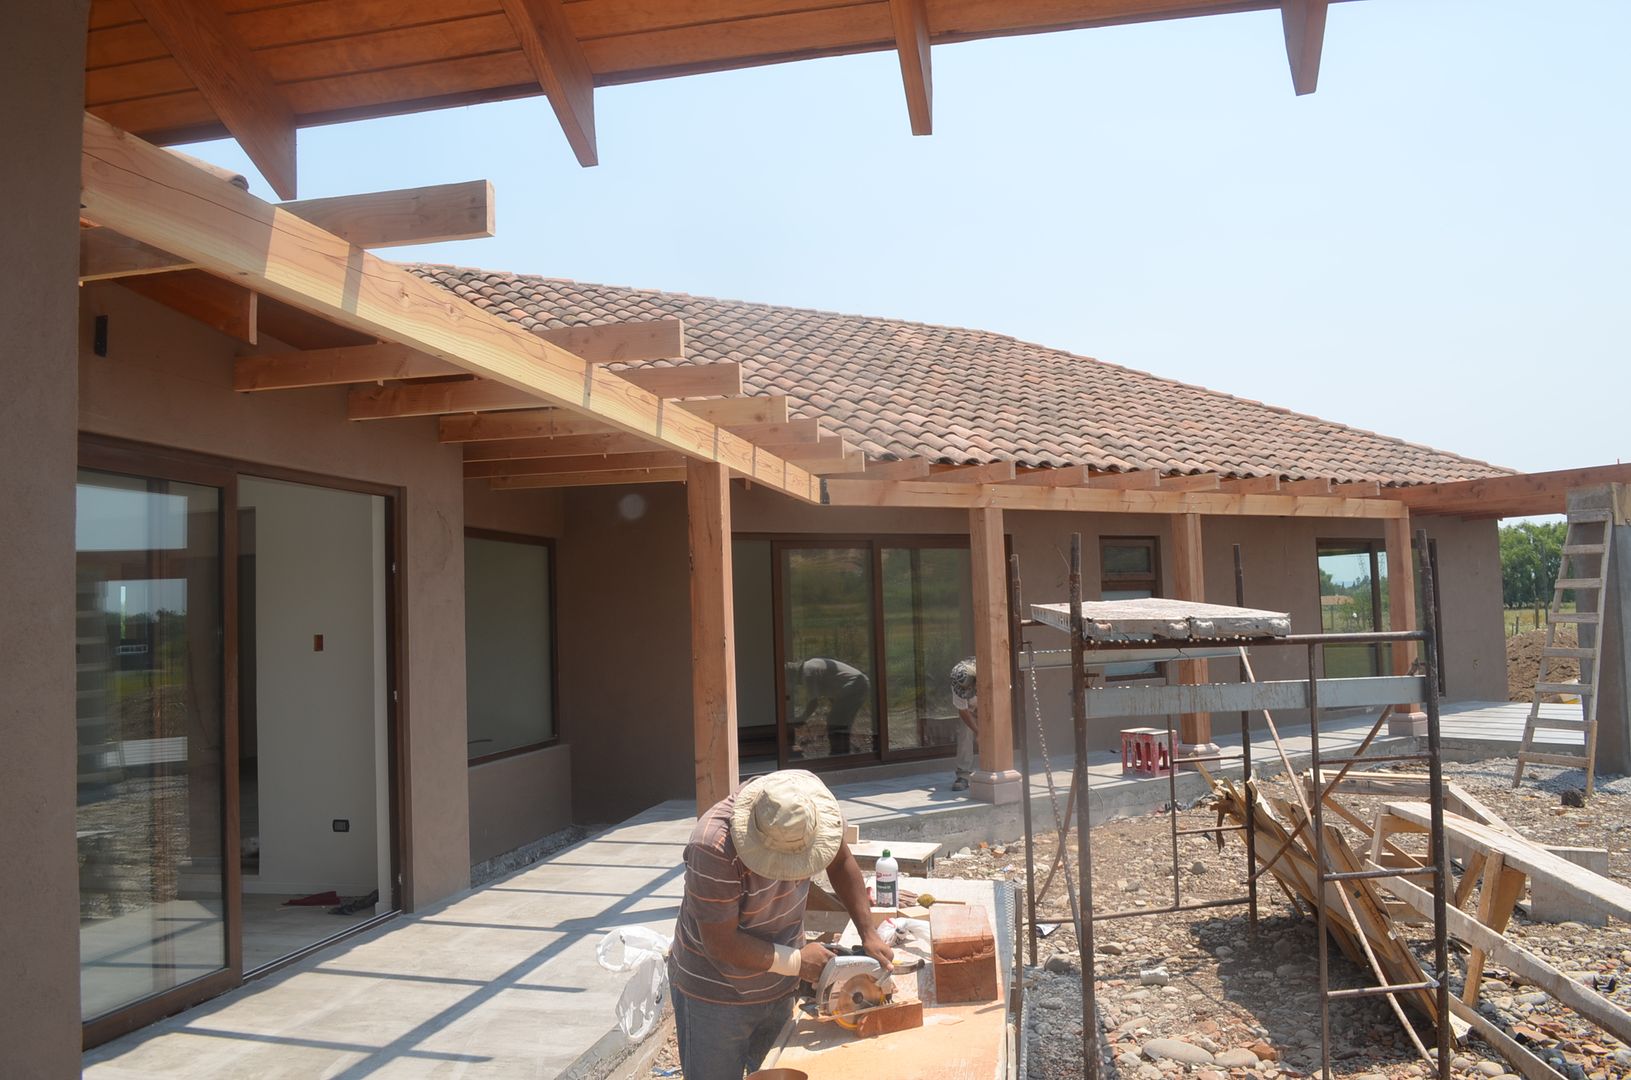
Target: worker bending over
(739, 949)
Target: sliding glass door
(149, 661)
(829, 663)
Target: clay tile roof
(902, 389)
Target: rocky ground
(1203, 994)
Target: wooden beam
(934, 492)
(590, 479)
(558, 447)
(221, 305)
(434, 399)
(849, 463)
(911, 21)
(914, 468)
(1140, 480)
(827, 448)
(1194, 482)
(722, 379)
(1304, 24)
(621, 342)
(1312, 487)
(1521, 494)
(994, 779)
(733, 412)
(521, 424)
(334, 367)
(1189, 583)
(713, 631)
(790, 431)
(1251, 485)
(994, 472)
(561, 69)
(232, 81)
(136, 188)
(1066, 476)
(104, 255)
(1401, 595)
(556, 466)
(1355, 489)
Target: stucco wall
(168, 380)
(42, 57)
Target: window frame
(1376, 549)
(547, 543)
(1115, 582)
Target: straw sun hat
(786, 825)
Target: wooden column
(994, 779)
(1189, 583)
(1401, 602)
(713, 635)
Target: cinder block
(1549, 904)
(965, 954)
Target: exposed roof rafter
(562, 70)
(911, 21)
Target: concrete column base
(1407, 723)
(997, 788)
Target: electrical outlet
(342, 824)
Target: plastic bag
(644, 952)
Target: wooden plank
(994, 472)
(1142, 480)
(847, 464)
(1353, 489)
(234, 83)
(936, 492)
(1519, 1056)
(612, 478)
(721, 379)
(434, 398)
(560, 446)
(914, 468)
(731, 412)
(522, 424)
(1521, 494)
(558, 62)
(988, 567)
(231, 309)
(585, 463)
(1501, 890)
(148, 195)
(1189, 584)
(911, 22)
(1195, 482)
(1258, 485)
(104, 254)
(418, 215)
(1304, 24)
(334, 367)
(1312, 487)
(791, 431)
(1401, 594)
(620, 342)
(824, 448)
(713, 634)
(1067, 476)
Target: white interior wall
(319, 570)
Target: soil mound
(1523, 663)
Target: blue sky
(1426, 247)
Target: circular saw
(852, 984)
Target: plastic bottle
(886, 880)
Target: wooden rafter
(136, 188)
(1304, 24)
(911, 22)
(231, 79)
(621, 342)
(1192, 482)
(484, 395)
(1312, 487)
(733, 412)
(591, 479)
(992, 472)
(1140, 480)
(559, 446)
(521, 424)
(912, 468)
(1508, 496)
(334, 367)
(849, 463)
(789, 431)
(1255, 485)
(720, 379)
(221, 305)
(1356, 489)
(938, 493)
(561, 69)
(1066, 476)
(825, 448)
(588, 463)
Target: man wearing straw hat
(739, 949)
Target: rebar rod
(1084, 844)
(1435, 799)
(1018, 708)
(1246, 778)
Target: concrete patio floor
(503, 981)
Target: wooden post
(995, 780)
(1189, 583)
(713, 634)
(1401, 602)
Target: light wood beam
(1356, 489)
(561, 69)
(827, 448)
(1304, 24)
(588, 463)
(334, 367)
(521, 424)
(790, 431)
(417, 215)
(139, 190)
(1189, 583)
(1196, 482)
(1401, 595)
(713, 631)
(231, 79)
(105, 255)
(1140, 480)
(911, 22)
(621, 342)
(1251, 485)
(558, 447)
(221, 305)
(1311, 487)
(484, 395)
(994, 472)
(1535, 493)
(722, 379)
(1067, 476)
(590, 479)
(994, 779)
(914, 468)
(845, 465)
(732, 412)
(937, 493)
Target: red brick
(965, 953)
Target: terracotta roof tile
(968, 396)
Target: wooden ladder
(1588, 604)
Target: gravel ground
(1199, 993)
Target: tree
(1531, 555)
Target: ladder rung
(1579, 583)
(1573, 617)
(1582, 549)
(1568, 650)
(1550, 759)
(1565, 688)
(1543, 724)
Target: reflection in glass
(827, 627)
(149, 668)
(1352, 601)
(928, 627)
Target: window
(1352, 601)
(1129, 569)
(509, 635)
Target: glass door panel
(1352, 601)
(149, 670)
(928, 626)
(828, 647)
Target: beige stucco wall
(42, 56)
(168, 380)
(625, 610)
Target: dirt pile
(1523, 663)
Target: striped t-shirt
(719, 888)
